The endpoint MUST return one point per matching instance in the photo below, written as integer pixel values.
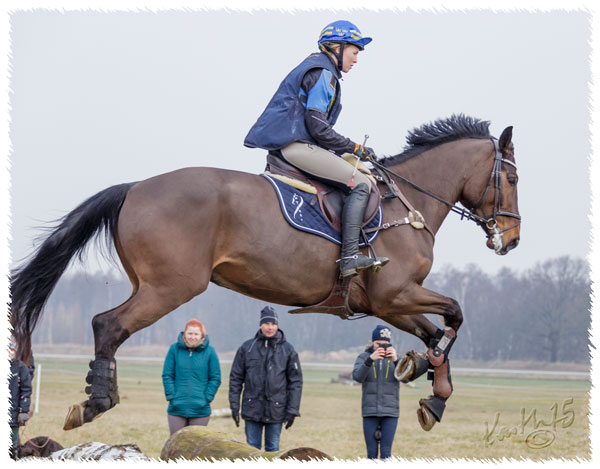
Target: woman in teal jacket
(191, 377)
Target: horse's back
(217, 224)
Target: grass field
(487, 417)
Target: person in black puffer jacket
(19, 387)
(268, 369)
(374, 368)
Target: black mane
(440, 131)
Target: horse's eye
(512, 179)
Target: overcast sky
(100, 98)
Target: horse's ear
(505, 138)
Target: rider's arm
(319, 86)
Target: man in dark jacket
(19, 386)
(268, 370)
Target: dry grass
(331, 419)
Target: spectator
(374, 368)
(19, 386)
(191, 377)
(268, 370)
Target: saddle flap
(332, 202)
(331, 199)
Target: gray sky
(103, 98)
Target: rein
(465, 213)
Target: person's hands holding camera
(378, 354)
(390, 352)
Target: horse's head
(492, 197)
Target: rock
(95, 451)
(197, 442)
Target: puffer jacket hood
(202, 346)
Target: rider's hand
(364, 153)
(236, 419)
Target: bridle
(489, 222)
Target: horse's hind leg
(111, 329)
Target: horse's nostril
(513, 244)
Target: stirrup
(353, 264)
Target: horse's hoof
(426, 418)
(404, 370)
(74, 417)
(411, 366)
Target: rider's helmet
(341, 32)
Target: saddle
(331, 199)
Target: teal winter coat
(191, 378)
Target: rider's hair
(332, 45)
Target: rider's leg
(352, 260)
(326, 165)
(323, 164)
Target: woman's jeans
(388, 430)
(254, 434)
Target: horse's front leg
(406, 313)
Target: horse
(176, 232)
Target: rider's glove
(364, 153)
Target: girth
(330, 198)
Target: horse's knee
(453, 317)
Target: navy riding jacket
(284, 119)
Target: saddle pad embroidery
(305, 216)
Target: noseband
(489, 222)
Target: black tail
(32, 283)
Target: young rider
(297, 125)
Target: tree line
(540, 314)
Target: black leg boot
(352, 217)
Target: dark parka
(380, 390)
(19, 387)
(269, 371)
(191, 378)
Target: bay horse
(176, 232)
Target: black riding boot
(352, 217)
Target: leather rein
(489, 222)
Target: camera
(384, 346)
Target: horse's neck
(442, 171)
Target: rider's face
(350, 57)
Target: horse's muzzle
(508, 247)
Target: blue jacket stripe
(320, 96)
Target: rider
(297, 125)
